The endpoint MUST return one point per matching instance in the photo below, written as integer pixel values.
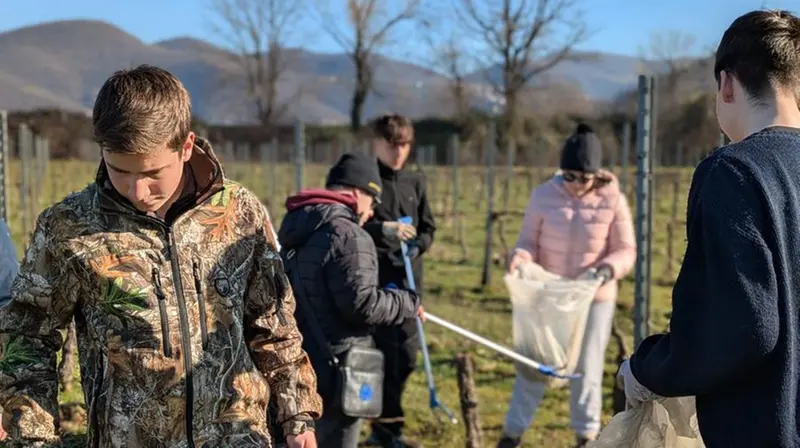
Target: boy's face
(151, 182)
(365, 206)
(392, 155)
(730, 107)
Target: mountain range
(62, 64)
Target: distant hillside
(62, 64)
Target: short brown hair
(140, 109)
(393, 128)
(762, 49)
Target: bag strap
(309, 314)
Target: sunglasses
(572, 177)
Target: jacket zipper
(162, 310)
(185, 338)
(201, 303)
(184, 320)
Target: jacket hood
(309, 210)
(204, 167)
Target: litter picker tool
(435, 404)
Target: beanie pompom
(584, 128)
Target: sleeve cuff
(298, 425)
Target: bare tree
(370, 24)
(450, 57)
(258, 32)
(519, 37)
(673, 49)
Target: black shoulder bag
(359, 370)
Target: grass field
(452, 292)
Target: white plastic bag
(549, 318)
(663, 423)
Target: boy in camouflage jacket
(183, 312)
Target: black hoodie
(404, 194)
(338, 273)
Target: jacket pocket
(201, 303)
(162, 311)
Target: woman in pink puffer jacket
(577, 224)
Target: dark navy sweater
(734, 338)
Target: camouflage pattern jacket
(185, 325)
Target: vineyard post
(299, 152)
(263, 151)
(510, 153)
(454, 163)
(541, 156)
(38, 172)
(643, 199)
(615, 150)
(24, 150)
(532, 163)
(227, 156)
(469, 400)
(484, 160)
(53, 190)
(653, 194)
(490, 154)
(4, 166)
(274, 159)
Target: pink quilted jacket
(567, 235)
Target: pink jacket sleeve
(621, 240)
(528, 237)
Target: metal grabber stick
(434, 399)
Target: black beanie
(582, 151)
(356, 170)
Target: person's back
(333, 267)
(321, 228)
(734, 330)
(752, 404)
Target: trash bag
(663, 423)
(9, 266)
(549, 318)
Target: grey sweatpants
(586, 392)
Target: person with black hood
(404, 195)
(336, 266)
(577, 224)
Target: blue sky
(620, 26)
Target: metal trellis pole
(643, 199)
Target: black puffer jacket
(337, 267)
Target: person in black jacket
(403, 195)
(734, 339)
(338, 276)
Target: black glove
(606, 272)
